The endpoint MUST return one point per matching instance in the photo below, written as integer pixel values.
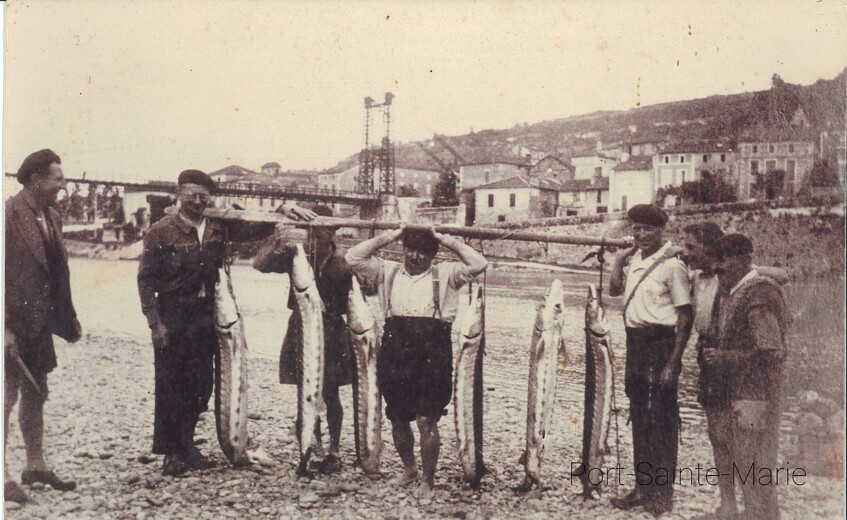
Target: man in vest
(415, 361)
(658, 318)
(749, 322)
(333, 278)
(38, 306)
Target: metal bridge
(262, 191)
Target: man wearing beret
(658, 318)
(749, 322)
(38, 305)
(176, 283)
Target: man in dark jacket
(38, 305)
(176, 284)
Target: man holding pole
(658, 318)
(38, 305)
(414, 364)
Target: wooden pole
(460, 231)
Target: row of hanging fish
(547, 354)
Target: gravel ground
(99, 429)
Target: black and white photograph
(402, 259)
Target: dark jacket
(38, 289)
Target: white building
(632, 183)
(594, 165)
(515, 199)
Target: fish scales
(599, 385)
(547, 344)
(230, 373)
(467, 390)
(367, 401)
(311, 359)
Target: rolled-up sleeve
(458, 274)
(678, 283)
(369, 268)
(764, 326)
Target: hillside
(720, 117)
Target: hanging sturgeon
(367, 401)
(467, 390)
(547, 344)
(599, 385)
(230, 373)
(311, 361)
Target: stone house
(514, 199)
(773, 161)
(632, 183)
(584, 197)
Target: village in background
(783, 147)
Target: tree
(407, 191)
(823, 175)
(709, 190)
(445, 190)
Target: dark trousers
(653, 411)
(184, 375)
(757, 445)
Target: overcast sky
(143, 89)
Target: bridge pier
(385, 210)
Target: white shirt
(658, 296)
(412, 295)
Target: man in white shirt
(415, 361)
(658, 317)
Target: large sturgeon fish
(230, 373)
(311, 361)
(467, 390)
(547, 344)
(599, 385)
(367, 401)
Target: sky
(144, 89)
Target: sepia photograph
(403, 259)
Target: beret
(729, 246)
(196, 177)
(420, 241)
(647, 214)
(36, 162)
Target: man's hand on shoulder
(298, 213)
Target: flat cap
(729, 246)
(647, 214)
(36, 162)
(196, 177)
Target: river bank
(99, 423)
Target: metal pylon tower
(373, 159)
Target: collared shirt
(657, 297)
(417, 298)
(175, 267)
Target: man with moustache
(38, 306)
(658, 317)
(176, 284)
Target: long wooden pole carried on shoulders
(460, 231)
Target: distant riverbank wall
(806, 238)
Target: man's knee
(427, 425)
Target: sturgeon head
(471, 327)
(360, 318)
(302, 276)
(596, 320)
(226, 310)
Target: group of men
(738, 311)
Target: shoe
(12, 492)
(197, 460)
(47, 477)
(635, 498)
(659, 506)
(175, 465)
(331, 464)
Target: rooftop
(636, 163)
